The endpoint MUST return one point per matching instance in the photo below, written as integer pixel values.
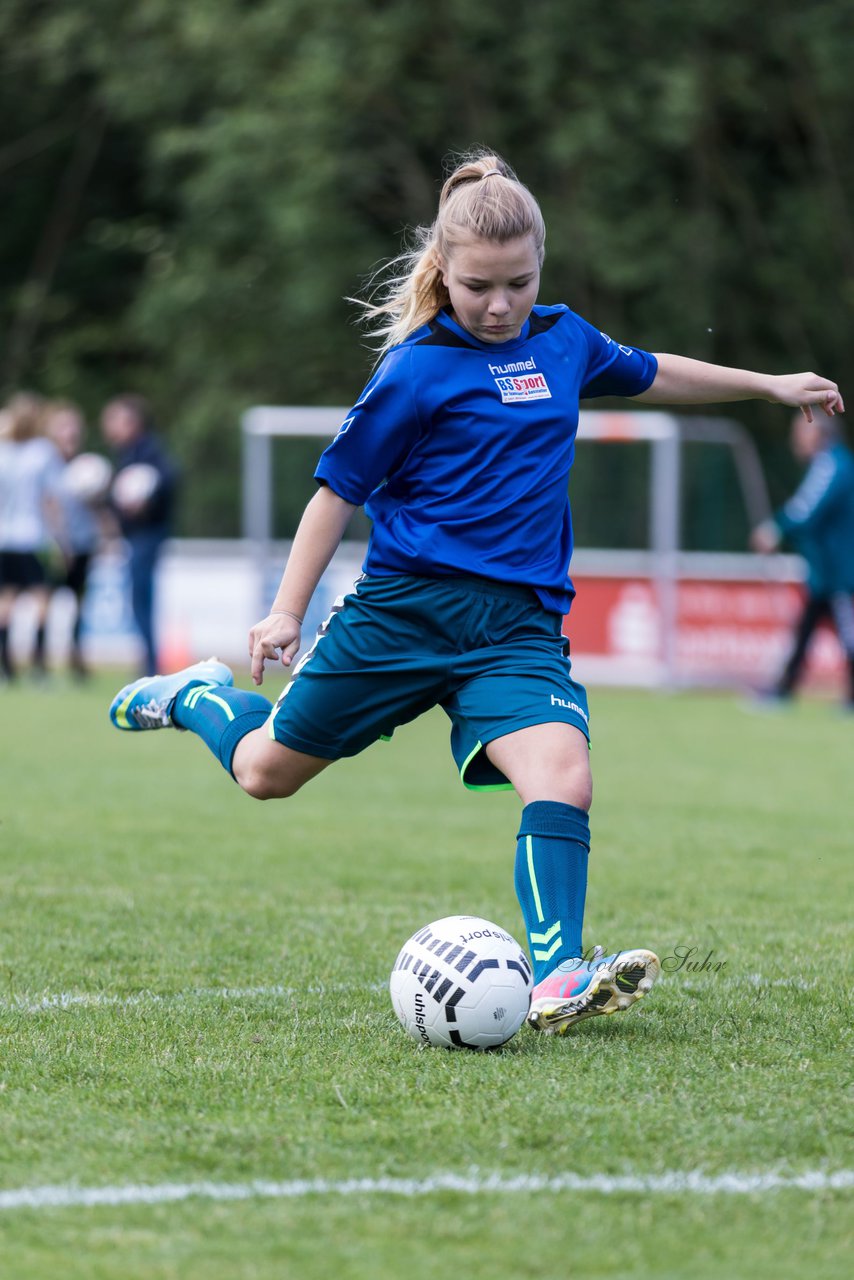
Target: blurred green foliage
(190, 192)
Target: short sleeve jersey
(460, 451)
(28, 471)
(79, 522)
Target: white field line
(194, 995)
(61, 1000)
(472, 1184)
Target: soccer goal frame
(666, 434)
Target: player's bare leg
(8, 595)
(546, 762)
(268, 770)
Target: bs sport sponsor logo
(520, 381)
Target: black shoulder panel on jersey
(540, 324)
(439, 336)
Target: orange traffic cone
(175, 651)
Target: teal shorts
(487, 652)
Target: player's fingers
(256, 638)
(263, 650)
(289, 653)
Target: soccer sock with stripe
(551, 880)
(220, 715)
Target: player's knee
(578, 783)
(264, 779)
(570, 781)
(264, 770)
(260, 784)
(564, 781)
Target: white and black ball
(461, 983)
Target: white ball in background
(87, 477)
(135, 485)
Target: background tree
(190, 192)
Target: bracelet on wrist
(288, 614)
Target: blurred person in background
(818, 520)
(142, 499)
(28, 465)
(81, 491)
(29, 520)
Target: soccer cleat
(579, 989)
(770, 700)
(147, 703)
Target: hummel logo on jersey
(570, 706)
(519, 366)
(520, 381)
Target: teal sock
(221, 716)
(551, 881)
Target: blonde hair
(481, 199)
(23, 417)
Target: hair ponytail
(481, 199)
(474, 168)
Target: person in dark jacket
(143, 497)
(818, 520)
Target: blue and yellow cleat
(147, 703)
(579, 989)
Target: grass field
(192, 992)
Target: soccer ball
(87, 478)
(134, 485)
(461, 983)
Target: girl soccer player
(460, 448)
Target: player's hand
(276, 636)
(801, 390)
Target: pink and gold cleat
(580, 988)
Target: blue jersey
(460, 451)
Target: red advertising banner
(726, 632)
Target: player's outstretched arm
(320, 531)
(680, 380)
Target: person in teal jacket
(818, 520)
